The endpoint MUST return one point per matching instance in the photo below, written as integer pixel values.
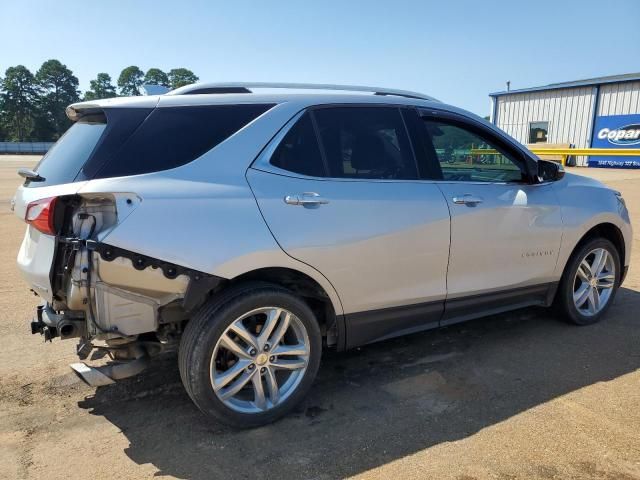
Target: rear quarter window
(173, 136)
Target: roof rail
(244, 87)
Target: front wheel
(590, 282)
(250, 356)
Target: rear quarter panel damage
(203, 215)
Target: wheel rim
(594, 282)
(259, 360)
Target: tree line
(32, 106)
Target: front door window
(466, 156)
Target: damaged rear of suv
(130, 213)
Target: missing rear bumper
(199, 283)
(50, 324)
(108, 374)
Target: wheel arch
(309, 289)
(605, 230)
(563, 299)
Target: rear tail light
(40, 215)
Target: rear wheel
(590, 282)
(246, 359)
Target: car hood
(580, 180)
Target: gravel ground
(520, 395)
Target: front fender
(587, 203)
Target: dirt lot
(511, 396)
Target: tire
(213, 331)
(572, 281)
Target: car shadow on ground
(382, 402)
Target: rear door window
(64, 160)
(366, 143)
(299, 151)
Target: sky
(456, 51)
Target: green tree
(3, 133)
(19, 99)
(179, 77)
(130, 81)
(155, 76)
(43, 128)
(101, 87)
(59, 88)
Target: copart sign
(616, 131)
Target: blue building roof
(626, 77)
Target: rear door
(505, 230)
(339, 189)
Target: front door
(340, 192)
(505, 231)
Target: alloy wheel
(594, 282)
(259, 360)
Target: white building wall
(619, 99)
(569, 112)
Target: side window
(465, 156)
(299, 151)
(173, 136)
(365, 142)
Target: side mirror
(549, 171)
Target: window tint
(299, 151)
(365, 142)
(64, 160)
(174, 136)
(121, 123)
(465, 156)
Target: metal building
(598, 112)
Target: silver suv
(254, 230)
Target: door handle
(305, 199)
(467, 199)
